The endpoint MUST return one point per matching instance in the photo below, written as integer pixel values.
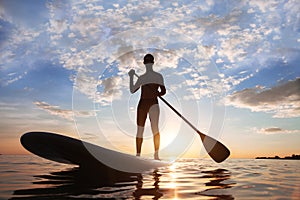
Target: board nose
(29, 138)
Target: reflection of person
(152, 86)
(140, 191)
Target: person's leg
(156, 140)
(154, 118)
(139, 140)
(141, 119)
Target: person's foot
(138, 154)
(156, 156)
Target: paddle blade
(217, 151)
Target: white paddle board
(69, 150)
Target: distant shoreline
(292, 157)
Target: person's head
(148, 59)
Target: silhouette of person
(152, 86)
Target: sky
(230, 67)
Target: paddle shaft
(182, 117)
(202, 135)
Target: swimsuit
(147, 100)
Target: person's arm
(133, 87)
(162, 90)
(162, 87)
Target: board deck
(69, 150)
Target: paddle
(217, 151)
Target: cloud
(282, 101)
(275, 130)
(85, 83)
(18, 46)
(4, 106)
(264, 6)
(108, 89)
(234, 37)
(13, 77)
(62, 113)
(76, 30)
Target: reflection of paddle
(217, 151)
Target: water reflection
(177, 182)
(187, 179)
(152, 191)
(82, 183)
(79, 183)
(218, 179)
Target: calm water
(30, 177)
